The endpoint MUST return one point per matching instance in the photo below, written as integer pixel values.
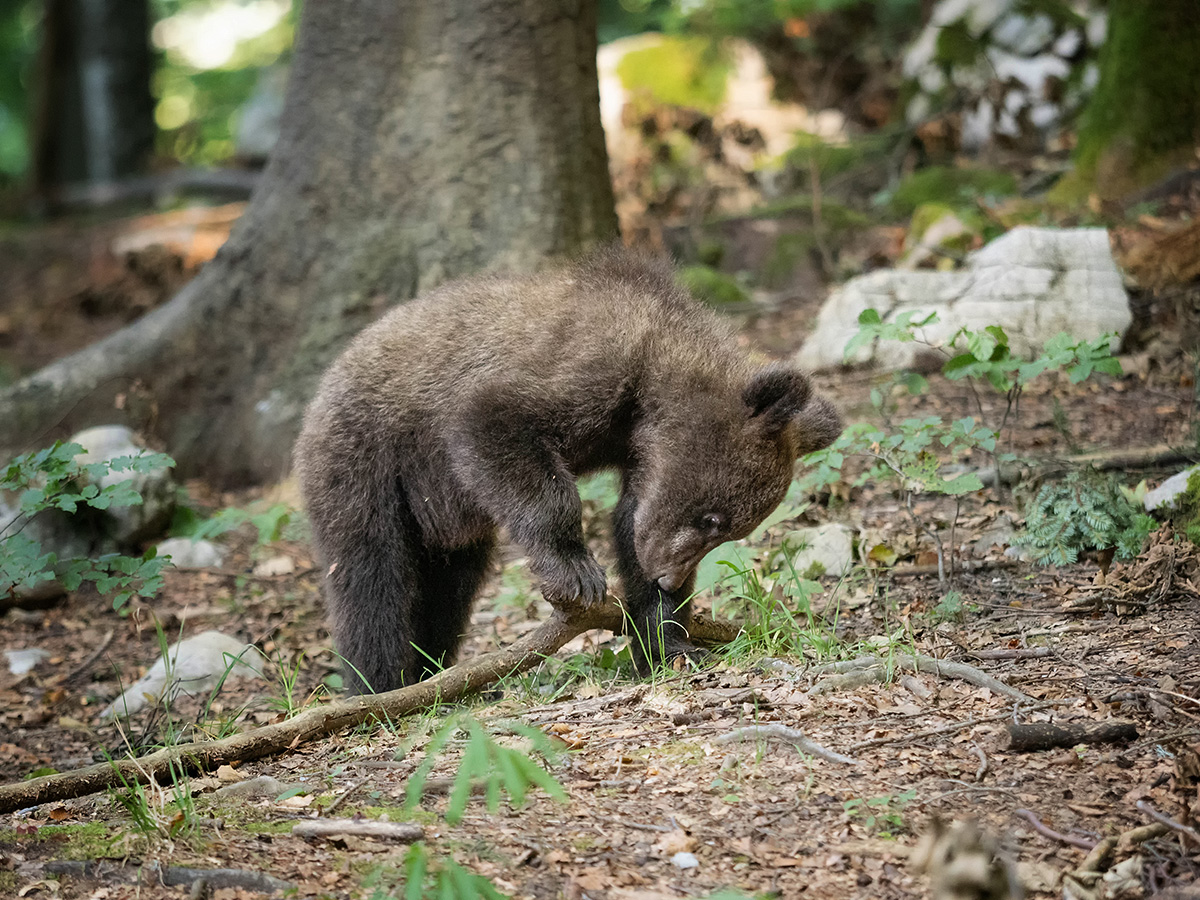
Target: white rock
(191, 666)
(21, 662)
(684, 860)
(1165, 495)
(186, 553)
(1033, 282)
(828, 550)
(129, 524)
(276, 565)
(1023, 35)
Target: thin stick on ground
(866, 669)
(446, 687)
(776, 732)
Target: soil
(657, 802)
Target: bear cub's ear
(776, 395)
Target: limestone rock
(828, 550)
(186, 553)
(129, 525)
(1033, 282)
(191, 666)
(1165, 495)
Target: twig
(92, 657)
(775, 731)
(1051, 833)
(343, 797)
(1186, 830)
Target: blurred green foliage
(680, 71)
(197, 104)
(18, 45)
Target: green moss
(712, 287)
(955, 187)
(679, 71)
(82, 840)
(1187, 509)
(1143, 118)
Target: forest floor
(647, 767)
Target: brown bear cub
(477, 406)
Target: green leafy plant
(424, 878)
(269, 522)
(487, 762)
(883, 815)
(1085, 511)
(56, 479)
(911, 456)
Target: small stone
(276, 565)
(192, 666)
(22, 662)
(685, 861)
(186, 553)
(827, 550)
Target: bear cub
(478, 405)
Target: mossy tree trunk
(1144, 117)
(420, 141)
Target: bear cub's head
(716, 474)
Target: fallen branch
(776, 732)
(447, 686)
(1045, 736)
(875, 668)
(406, 832)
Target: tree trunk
(95, 114)
(1144, 117)
(420, 141)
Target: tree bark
(420, 141)
(1144, 117)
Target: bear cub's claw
(579, 579)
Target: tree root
(874, 669)
(447, 686)
(774, 731)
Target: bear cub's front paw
(579, 578)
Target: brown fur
(478, 404)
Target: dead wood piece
(1166, 821)
(405, 832)
(777, 732)
(102, 870)
(448, 686)
(918, 663)
(1014, 653)
(1046, 736)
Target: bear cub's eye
(712, 523)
